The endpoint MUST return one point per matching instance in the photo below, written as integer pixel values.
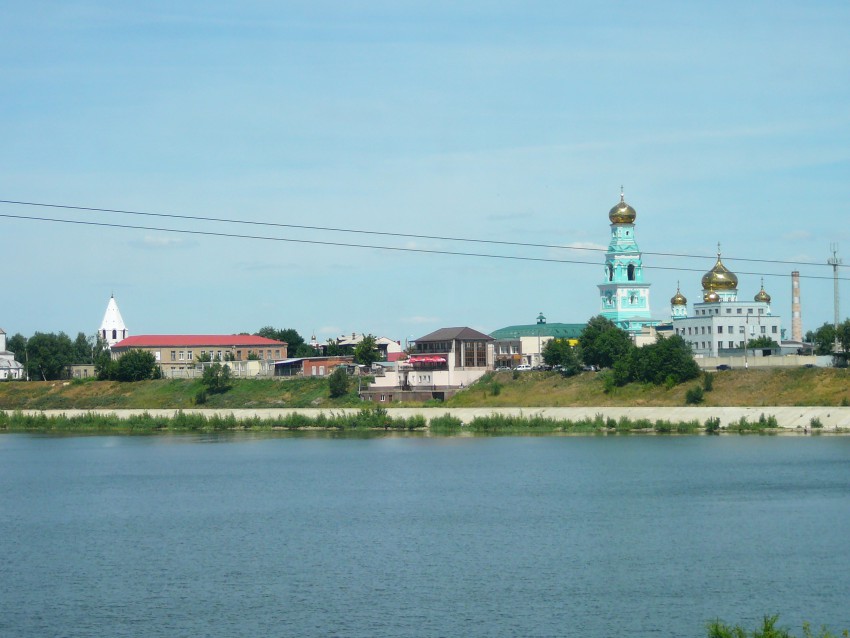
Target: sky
(496, 121)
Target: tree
(17, 344)
(216, 378)
(668, 360)
(366, 352)
(823, 339)
(332, 348)
(761, 342)
(48, 355)
(603, 343)
(135, 365)
(559, 352)
(338, 382)
(289, 335)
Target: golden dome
(719, 277)
(761, 295)
(711, 297)
(622, 213)
(678, 299)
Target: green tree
(17, 344)
(136, 365)
(332, 348)
(289, 335)
(668, 360)
(603, 343)
(216, 378)
(559, 352)
(48, 355)
(823, 339)
(338, 383)
(761, 342)
(366, 352)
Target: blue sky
(508, 121)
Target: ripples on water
(501, 536)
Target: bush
(815, 423)
(712, 425)
(200, 397)
(707, 381)
(496, 388)
(338, 383)
(216, 378)
(694, 395)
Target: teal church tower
(624, 293)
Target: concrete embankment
(831, 418)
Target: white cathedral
(722, 323)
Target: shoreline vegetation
(374, 419)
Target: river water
(264, 535)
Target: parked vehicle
(523, 367)
(723, 366)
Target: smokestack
(796, 317)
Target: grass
(774, 387)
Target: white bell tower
(112, 328)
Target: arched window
(114, 334)
(631, 272)
(610, 273)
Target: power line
(207, 233)
(390, 234)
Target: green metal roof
(556, 330)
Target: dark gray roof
(450, 334)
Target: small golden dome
(711, 297)
(622, 213)
(719, 277)
(678, 299)
(761, 295)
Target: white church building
(9, 368)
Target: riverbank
(439, 419)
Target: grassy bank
(776, 387)
(373, 418)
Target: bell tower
(624, 294)
(112, 328)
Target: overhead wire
(475, 240)
(362, 246)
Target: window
(180, 355)
(114, 334)
(631, 272)
(173, 355)
(764, 329)
(731, 329)
(731, 344)
(740, 329)
(277, 354)
(709, 330)
(702, 329)
(749, 311)
(720, 330)
(728, 311)
(739, 311)
(773, 329)
(761, 311)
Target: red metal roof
(165, 341)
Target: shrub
(338, 383)
(200, 397)
(815, 423)
(712, 425)
(694, 395)
(216, 378)
(496, 388)
(707, 381)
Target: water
(502, 536)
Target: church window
(610, 273)
(114, 334)
(631, 272)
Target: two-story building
(177, 353)
(441, 364)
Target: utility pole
(835, 262)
